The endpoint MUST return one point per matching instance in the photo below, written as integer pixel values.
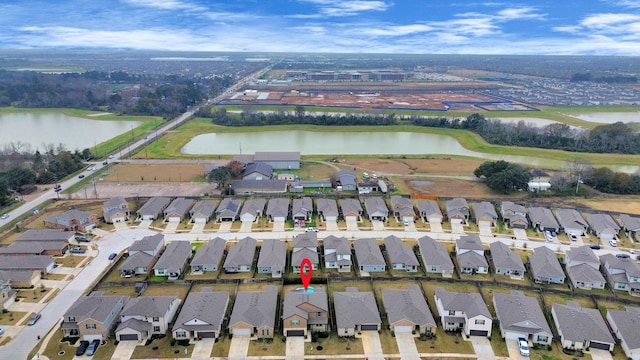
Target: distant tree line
(617, 79)
(248, 117)
(608, 181)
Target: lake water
(38, 129)
(608, 117)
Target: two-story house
(145, 316)
(304, 312)
(583, 268)
(457, 210)
(622, 273)
(514, 215)
(402, 209)
(92, 317)
(305, 246)
(142, 255)
(115, 210)
(470, 253)
(337, 253)
(465, 312)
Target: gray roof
(579, 324)
(25, 262)
(154, 206)
(208, 307)
(570, 218)
(368, 252)
(627, 322)
(148, 306)
(503, 257)
(302, 206)
(629, 222)
(345, 178)
(278, 207)
(603, 223)
(376, 205)
(33, 247)
(402, 205)
(471, 304)
(210, 253)
(18, 275)
(353, 308)
(115, 202)
(139, 259)
(510, 206)
(317, 299)
(203, 208)
(544, 263)
(582, 254)
(341, 246)
(584, 273)
(258, 167)
(408, 304)
(434, 253)
(265, 185)
(328, 207)
(543, 217)
(175, 256)
(147, 243)
(429, 207)
(73, 214)
(350, 206)
(273, 254)
(482, 209)
(253, 206)
(45, 234)
(459, 204)
(179, 206)
(520, 313)
(472, 260)
(241, 254)
(134, 324)
(255, 308)
(400, 253)
(628, 265)
(306, 239)
(228, 207)
(94, 307)
(469, 242)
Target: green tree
(18, 176)
(222, 176)
(504, 176)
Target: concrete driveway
(124, 350)
(144, 224)
(410, 227)
(120, 226)
(171, 228)
(202, 349)
(278, 226)
(331, 225)
(377, 225)
(485, 230)
(239, 347)
(371, 345)
(520, 234)
(514, 350)
(225, 227)
(482, 347)
(197, 228)
(457, 228)
(407, 346)
(352, 226)
(246, 226)
(295, 348)
(435, 227)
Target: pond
(608, 117)
(39, 129)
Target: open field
(128, 173)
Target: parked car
(311, 229)
(595, 246)
(112, 256)
(77, 250)
(34, 319)
(91, 168)
(84, 344)
(523, 345)
(105, 163)
(80, 176)
(82, 238)
(93, 347)
(613, 243)
(406, 223)
(573, 237)
(1, 331)
(5, 216)
(623, 256)
(110, 157)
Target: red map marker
(306, 278)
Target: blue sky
(558, 27)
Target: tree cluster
(223, 175)
(617, 79)
(504, 176)
(608, 181)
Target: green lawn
(270, 347)
(164, 350)
(334, 345)
(444, 343)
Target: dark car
(84, 344)
(595, 246)
(112, 256)
(623, 256)
(80, 176)
(93, 347)
(105, 162)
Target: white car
(613, 243)
(90, 168)
(573, 237)
(523, 345)
(110, 157)
(5, 216)
(1, 331)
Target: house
(539, 185)
(429, 211)
(41, 263)
(177, 210)
(208, 256)
(369, 256)
(603, 226)
(345, 180)
(227, 210)
(542, 219)
(50, 247)
(583, 266)
(470, 253)
(305, 246)
(153, 208)
(630, 224)
(287, 177)
(521, 316)
(407, 311)
(254, 313)
(581, 328)
(356, 311)
(142, 256)
(337, 253)
(173, 260)
(506, 261)
(145, 316)
(21, 279)
(302, 209)
(72, 220)
(202, 211)
(278, 209)
(201, 315)
(435, 257)
(7, 294)
(401, 256)
(376, 209)
(46, 235)
(351, 209)
(367, 187)
(572, 222)
(257, 171)
(402, 208)
(621, 273)
(545, 267)
(92, 317)
(252, 210)
(273, 257)
(115, 210)
(248, 187)
(240, 256)
(625, 325)
(327, 209)
(465, 312)
(304, 312)
(514, 214)
(277, 160)
(457, 210)
(484, 213)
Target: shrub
(172, 342)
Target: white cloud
(338, 8)
(165, 4)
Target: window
(265, 332)
(434, 268)
(156, 319)
(543, 339)
(319, 313)
(72, 318)
(90, 326)
(346, 330)
(156, 329)
(295, 322)
(452, 312)
(181, 334)
(479, 322)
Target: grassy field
(131, 173)
(164, 350)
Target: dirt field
(109, 190)
(127, 173)
(445, 166)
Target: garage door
(478, 332)
(295, 332)
(597, 345)
(510, 335)
(247, 218)
(402, 329)
(435, 219)
(241, 331)
(456, 221)
(331, 218)
(200, 220)
(519, 226)
(124, 337)
(408, 219)
(279, 219)
(369, 327)
(92, 337)
(351, 218)
(174, 219)
(207, 334)
(484, 223)
(147, 217)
